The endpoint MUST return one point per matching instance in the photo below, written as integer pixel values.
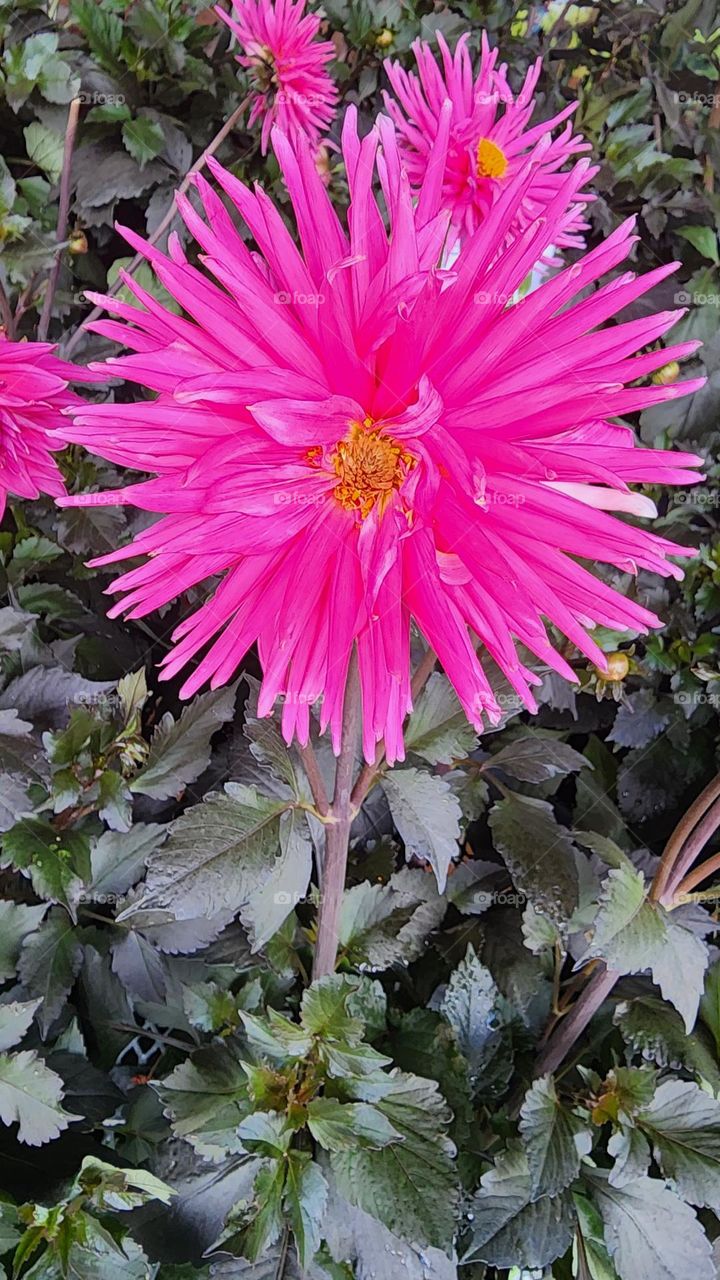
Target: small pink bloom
(352, 441)
(286, 65)
(490, 137)
(33, 393)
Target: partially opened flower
(287, 66)
(351, 441)
(490, 136)
(33, 394)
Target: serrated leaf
(286, 884)
(427, 815)
(30, 1095)
(633, 934)
(49, 963)
(304, 1201)
(207, 1098)
(216, 855)
(15, 1020)
(118, 860)
(683, 1125)
(393, 1184)
(324, 1009)
(180, 749)
(509, 1228)
(341, 1126)
(639, 720)
(382, 925)
(17, 922)
(673, 1241)
(539, 854)
(655, 1030)
(470, 1005)
(438, 729)
(531, 759)
(44, 148)
(554, 1139)
(55, 862)
(143, 138)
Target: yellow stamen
(370, 466)
(491, 160)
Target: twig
(315, 778)
(62, 222)
(674, 862)
(6, 315)
(164, 223)
(699, 838)
(337, 832)
(574, 1023)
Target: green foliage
(158, 904)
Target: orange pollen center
(491, 160)
(369, 466)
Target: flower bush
(357, 869)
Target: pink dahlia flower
(489, 137)
(33, 394)
(353, 442)
(286, 64)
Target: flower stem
(574, 1023)
(675, 860)
(62, 222)
(315, 779)
(337, 832)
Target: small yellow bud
(670, 372)
(618, 665)
(78, 243)
(385, 39)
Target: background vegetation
(145, 956)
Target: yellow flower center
(491, 160)
(369, 466)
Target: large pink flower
(286, 64)
(489, 136)
(354, 440)
(33, 394)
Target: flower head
(33, 393)
(351, 441)
(286, 65)
(489, 136)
